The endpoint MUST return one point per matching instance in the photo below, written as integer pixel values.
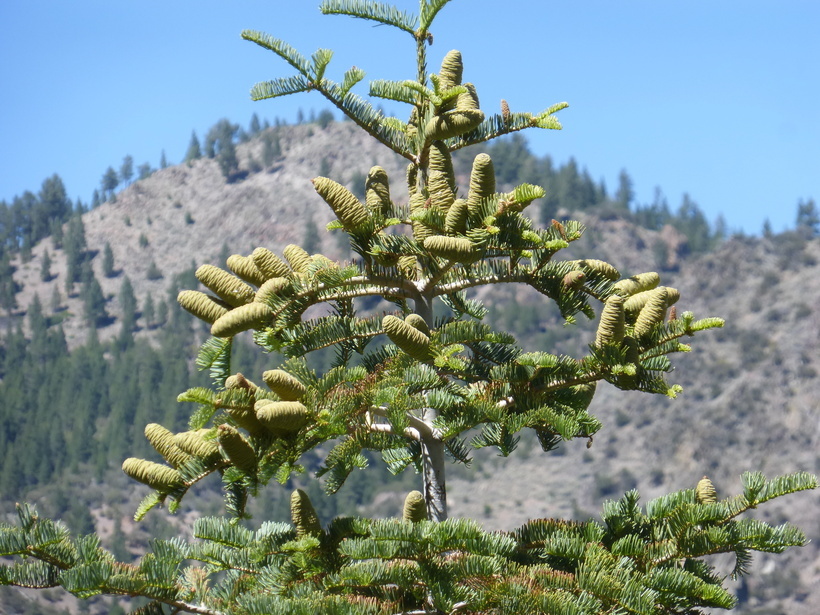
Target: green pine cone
(377, 192)
(227, 287)
(456, 219)
(453, 124)
(163, 442)
(343, 202)
(611, 326)
(705, 492)
(482, 181)
(637, 283)
(245, 268)
(242, 318)
(303, 515)
(652, 313)
(452, 69)
(417, 322)
(638, 301)
(297, 258)
(238, 450)
(458, 249)
(600, 267)
(202, 306)
(284, 385)
(415, 508)
(270, 289)
(441, 181)
(408, 338)
(195, 444)
(282, 417)
(421, 230)
(269, 264)
(155, 475)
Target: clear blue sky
(717, 99)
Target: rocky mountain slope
(752, 392)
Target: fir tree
(45, 267)
(415, 395)
(194, 152)
(108, 261)
(148, 312)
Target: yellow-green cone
(408, 338)
(343, 202)
(377, 192)
(705, 492)
(202, 305)
(459, 249)
(652, 313)
(415, 508)
(245, 317)
(195, 444)
(637, 283)
(155, 475)
(482, 181)
(284, 385)
(239, 451)
(282, 417)
(227, 287)
(600, 267)
(163, 442)
(303, 515)
(269, 264)
(611, 326)
(245, 268)
(270, 289)
(297, 258)
(453, 123)
(417, 322)
(452, 69)
(456, 219)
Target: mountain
(751, 390)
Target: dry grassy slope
(268, 208)
(752, 391)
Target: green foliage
(636, 560)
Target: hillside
(751, 389)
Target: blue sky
(717, 99)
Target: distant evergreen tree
(271, 148)
(75, 248)
(144, 171)
(96, 200)
(163, 161)
(254, 128)
(108, 261)
(625, 193)
(56, 300)
(8, 287)
(37, 322)
(148, 312)
(110, 181)
(54, 206)
(194, 151)
(94, 311)
(691, 221)
(325, 118)
(153, 272)
(220, 141)
(128, 308)
(127, 170)
(57, 234)
(767, 229)
(808, 218)
(45, 267)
